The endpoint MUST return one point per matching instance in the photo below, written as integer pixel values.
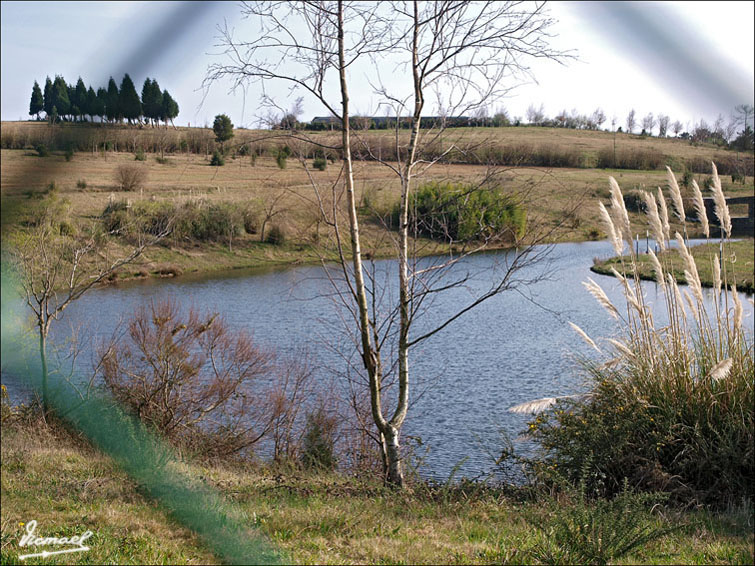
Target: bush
(69, 153)
(217, 159)
(139, 155)
(276, 235)
(130, 177)
(42, 150)
(190, 378)
(320, 163)
(464, 213)
(280, 159)
(81, 184)
(318, 446)
(243, 151)
(674, 409)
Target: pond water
(516, 347)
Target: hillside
(559, 200)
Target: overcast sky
(690, 60)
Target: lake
(516, 347)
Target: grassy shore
(56, 478)
(559, 202)
(738, 261)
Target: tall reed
(672, 409)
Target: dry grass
(559, 199)
(52, 476)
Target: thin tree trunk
(43, 358)
(369, 356)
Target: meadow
(559, 201)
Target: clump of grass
(672, 408)
(578, 529)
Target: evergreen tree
(223, 128)
(170, 108)
(146, 98)
(37, 103)
(80, 98)
(90, 108)
(101, 105)
(60, 99)
(48, 97)
(112, 106)
(130, 105)
(152, 100)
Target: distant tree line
(722, 133)
(77, 103)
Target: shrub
(244, 150)
(42, 150)
(139, 155)
(674, 409)
(318, 446)
(253, 159)
(586, 530)
(320, 163)
(81, 184)
(189, 377)
(276, 235)
(464, 213)
(280, 159)
(130, 177)
(217, 159)
(69, 153)
(163, 160)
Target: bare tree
(535, 115)
(648, 123)
(598, 117)
(663, 121)
(743, 114)
(467, 52)
(58, 264)
(677, 128)
(631, 121)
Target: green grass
(738, 258)
(52, 476)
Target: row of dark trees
(77, 103)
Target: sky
(690, 60)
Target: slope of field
(561, 202)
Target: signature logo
(30, 539)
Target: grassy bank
(56, 478)
(560, 202)
(738, 260)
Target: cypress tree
(147, 98)
(37, 103)
(90, 107)
(112, 106)
(48, 97)
(61, 102)
(130, 105)
(170, 108)
(80, 98)
(100, 107)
